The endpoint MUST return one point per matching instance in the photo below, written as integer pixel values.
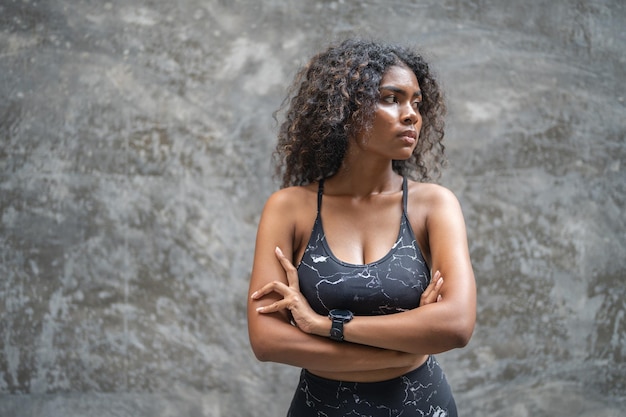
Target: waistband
(419, 373)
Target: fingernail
(278, 251)
(259, 309)
(440, 281)
(253, 294)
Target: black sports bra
(392, 284)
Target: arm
(437, 326)
(272, 336)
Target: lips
(409, 137)
(409, 133)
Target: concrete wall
(135, 142)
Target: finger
(432, 284)
(439, 284)
(272, 308)
(274, 286)
(431, 293)
(437, 290)
(290, 270)
(429, 296)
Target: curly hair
(335, 95)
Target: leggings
(421, 392)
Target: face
(397, 121)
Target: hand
(431, 293)
(303, 315)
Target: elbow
(463, 333)
(267, 338)
(268, 348)
(260, 354)
(261, 349)
(462, 339)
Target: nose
(410, 115)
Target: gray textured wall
(135, 142)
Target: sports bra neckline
(403, 221)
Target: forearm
(430, 329)
(283, 343)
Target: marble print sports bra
(392, 284)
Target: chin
(403, 157)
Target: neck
(362, 178)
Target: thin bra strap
(320, 191)
(404, 194)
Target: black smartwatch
(339, 317)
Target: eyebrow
(417, 93)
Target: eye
(417, 104)
(390, 99)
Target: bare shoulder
(431, 196)
(293, 207)
(289, 215)
(291, 198)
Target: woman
(362, 314)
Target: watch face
(341, 314)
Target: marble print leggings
(421, 392)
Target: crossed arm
(283, 327)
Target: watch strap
(338, 318)
(336, 330)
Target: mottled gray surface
(135, 142)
